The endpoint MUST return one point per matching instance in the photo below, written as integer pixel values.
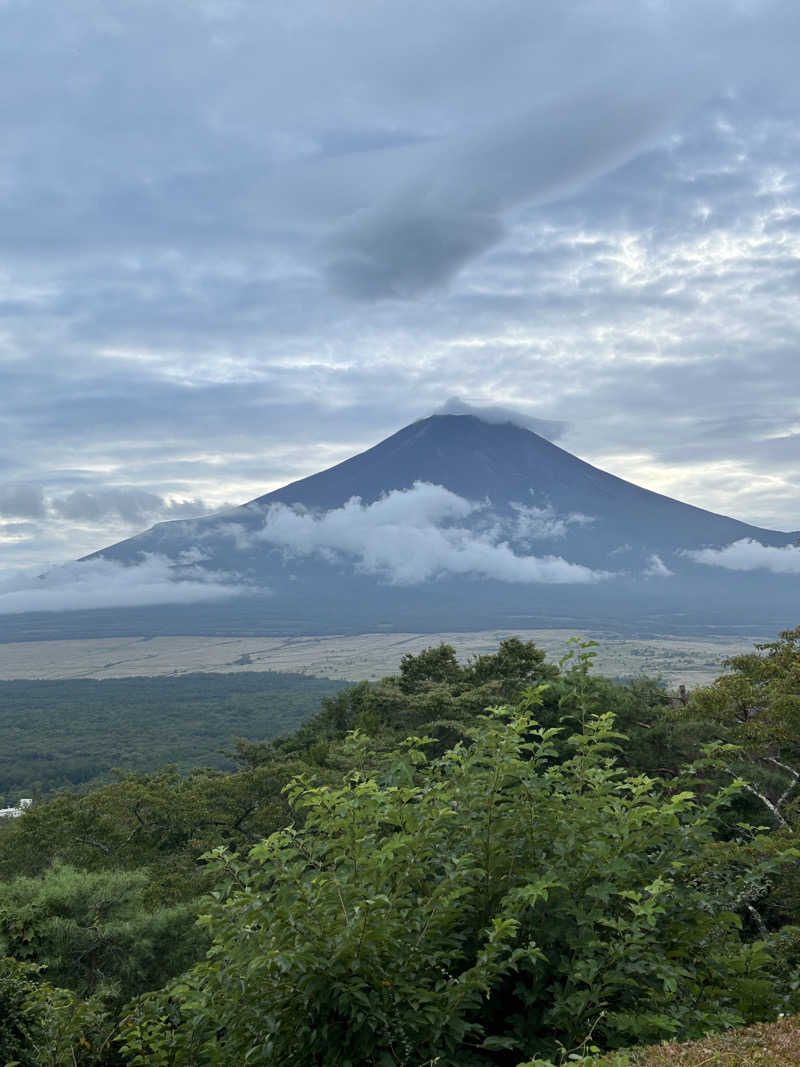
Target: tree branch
(789, 770)
(765, 800)
(762, 928)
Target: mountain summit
(511, 467)
(457, 523)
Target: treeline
(71, 733)
(500, 862)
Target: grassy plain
(690, 661)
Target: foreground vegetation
(502, 862)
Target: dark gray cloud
(21, 502)
(448, 216)
(134, 506)
(407, 250)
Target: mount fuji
(452, 523)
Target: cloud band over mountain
(749, 555)
(415, 535)
(103, 583)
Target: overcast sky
(240, 241)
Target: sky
(240, 242)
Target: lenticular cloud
(411, 536)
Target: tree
(496, 905)
(94, 933)
(44, 1026)
(756, 706)
(428, 667)
(516, 665)
(162, 821)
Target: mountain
(455, 523)
(507, 464)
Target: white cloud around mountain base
(543, 523)
(657, 568)
(411, 536)
(749, 555)
(103, 583)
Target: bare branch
(762, 928)
(765, 800)
(789, 770)
(95, 844)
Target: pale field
(690, 661)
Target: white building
(14, 813)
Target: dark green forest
(499, 862)
(74, 732)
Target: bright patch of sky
(240, 242)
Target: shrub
(481, 908)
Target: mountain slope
(459, 524)
(594, 517)
(505, 463)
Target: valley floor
(690, 661)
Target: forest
(76, 732)
(500, 862)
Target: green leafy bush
(484, 907)
(43, 1026)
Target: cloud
(190, 273)
(749, 555)
(406, 250)
(17, 531)
(102, 583)
(22, 502)
(419, 238)
(411, 536)
(494, 414)
(540, 524)
(657, 568)
(133, 506)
